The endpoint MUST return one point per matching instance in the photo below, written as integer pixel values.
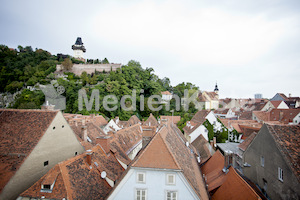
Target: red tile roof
(213, 171)
(151, 121)
(166, 93)
(75, 179)
(197, 120)
(124, 140)
(235, 187)
(175, 154)
(20, 132)
(176, 119)
(244, 145)
(204, 148)
(287, 138)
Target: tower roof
(78, 45)
(216, 88)
(79, 41)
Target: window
(141, 177)
(76, 153)
(262, 161)
(171, 195)
(46, 163)
(47, 187)
(63, 126)
(53, 127)
(170, 179)
(141, 194)
(280, 174)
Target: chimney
(84, 133)
(215, 142)
(89, 156)
(104, 142)
(212, 144)
(290, 95)
(148, 132)
(227, 160)
(47, 106)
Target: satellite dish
(103, 174)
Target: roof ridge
(170, 152)
(27, 110)
(242, 180)
(151, 141)
(69, 196)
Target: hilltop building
(78, 49)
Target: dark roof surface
(20, 132)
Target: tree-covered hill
(24, 67)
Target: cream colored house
(32, 142)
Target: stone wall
(90, 68)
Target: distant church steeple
(78, 49)
(216, 90)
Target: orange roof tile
(175, 119)
(235, 187)
(151, 121)
(156, 155)
(166, 93)
(244, 145)
(77, 180)
(216, 162)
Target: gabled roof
(287, 138)
(75, 179)
(175, 119)
(212, 170)
(216, 162)
(166, 93)
(235, 187)
(151, 121)
(21, 130)
(246, 115)
(200, 116)
(244, 145)
(204, 148)
(208, 96)
(169, 139)
(276, 103)
(93, 131)
(156, 155)
(124, 140)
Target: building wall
(282, 105)
(155, 184)
(264, 145)
(78, 54)
(196, 133)
(213, 121)
(55, 146)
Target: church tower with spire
(216, 90)
(78, 49)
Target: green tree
(67, 64)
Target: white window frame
(167, 179)
(172, 192)
(144, 177)
(262, 161)
(136, 195)
(280, 174)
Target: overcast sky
(248, 47)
